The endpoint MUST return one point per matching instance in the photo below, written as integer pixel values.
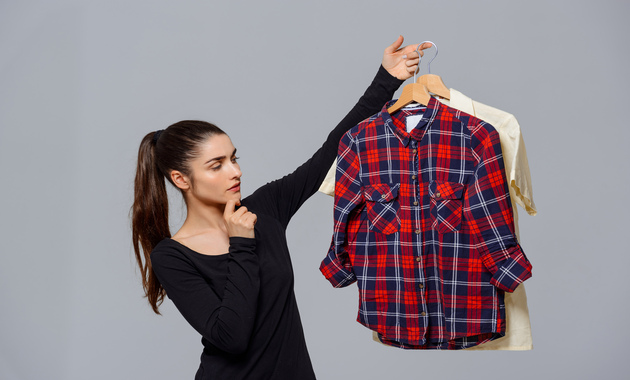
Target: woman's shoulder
(168, 251)
(165, 246)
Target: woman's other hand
(239, 222)
(402, 62)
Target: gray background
(81, 82)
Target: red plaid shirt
(424, 224)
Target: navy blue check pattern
(424, 225)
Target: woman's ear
(180, 180)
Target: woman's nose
(236, 171)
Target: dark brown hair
(157, 157)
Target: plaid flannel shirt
(424, 225)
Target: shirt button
(415, 150)
(437, 194)
(413, 177)
(417, 232)
(423, 314)
(415, 203)
(383, 196)
(421, 286)
(418, 259)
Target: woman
(228, 269)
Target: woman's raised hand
(402, 62)
(239, 222)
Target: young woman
(228, 269)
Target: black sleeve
(226, 322)
(283, 197)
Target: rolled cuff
(509, 268)
(336, 274)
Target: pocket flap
(445, 190)
(381, 192)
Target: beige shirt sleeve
(516, 165)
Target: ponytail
(161, 152)
(149, 217)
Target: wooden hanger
(420, 89)
(434, 84)
(413, 92)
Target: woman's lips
(235, 188)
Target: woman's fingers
(394, 47)
(412, 62)
(229, 209)
(251, 219)
(403, 62)
(239, 222)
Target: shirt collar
(428, 117)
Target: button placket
(415, 170)
(416, 186)
(416, 212)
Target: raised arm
(283, 197)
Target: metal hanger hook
(420, 56)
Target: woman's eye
(235, 158)
(215, 168)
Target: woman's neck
(204, 231)
(201, 219)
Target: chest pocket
(382, 206)
(446, 205)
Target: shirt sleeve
(336, 266)
(283, 197)
(517, 165)
(226, 322)
(488, 209)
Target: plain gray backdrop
(81, 82)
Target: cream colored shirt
(518, 334)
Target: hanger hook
(420, 56)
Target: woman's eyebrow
(220, 158)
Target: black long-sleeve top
(242, 302)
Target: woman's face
(216, 176)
